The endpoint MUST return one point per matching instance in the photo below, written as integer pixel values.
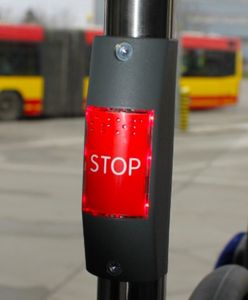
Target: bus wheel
(10, 106)
(226, 283)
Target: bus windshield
(208, 63)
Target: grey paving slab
(82, 286)
(10, 293)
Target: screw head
(114, 268)
(124, 51)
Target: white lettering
(118, 165)
(114, 161)
(105, 161)
(96, 169)
(134, 164)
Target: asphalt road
(41, 252)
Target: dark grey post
(136, 19)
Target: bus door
(54, 64)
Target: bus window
(208, 63)
(19, 59)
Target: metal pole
(111, 290)
(147, 291)
(136, 19)
(139, 18)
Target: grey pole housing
(133, 67)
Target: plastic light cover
(117, 164)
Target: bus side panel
(212, 92)
(30, 89)
(55, 70)
(239, 65)
(76, 71)
(86, 83)
(63, 69)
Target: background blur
(225, 17)
(41, 161)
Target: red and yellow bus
(211, 69)
(41, 71)
(21, 83)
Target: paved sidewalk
(41, 253)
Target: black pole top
(139, 18)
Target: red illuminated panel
(22, 33)
(118, 156)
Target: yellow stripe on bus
(29, 87)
